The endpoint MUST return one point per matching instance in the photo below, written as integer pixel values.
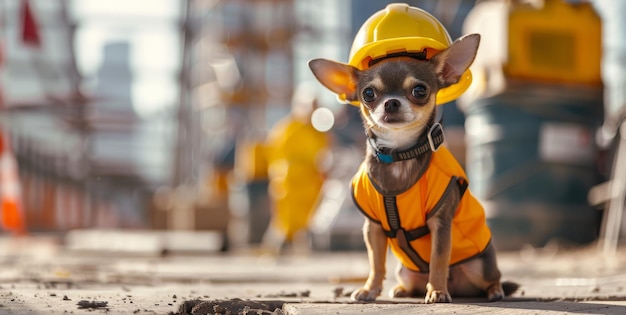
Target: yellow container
(559, 42)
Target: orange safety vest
(403, 217)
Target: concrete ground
(41, 276)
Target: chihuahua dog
(413, 192)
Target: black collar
(432, 142)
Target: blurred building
(89, 92)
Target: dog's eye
(369, 94)
(420, 91)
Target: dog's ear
(337, 77)
(451, 63)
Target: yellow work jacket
(403, 217)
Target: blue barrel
(531, 160)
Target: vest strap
(402, 236)
(415, 257)
(393, 218)
(391, 210)
(411, 235)
(462, 185)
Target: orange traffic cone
(11, 214)
(12, 217)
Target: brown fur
(395, 119)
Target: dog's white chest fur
(395, 139)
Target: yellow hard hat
(400, 28)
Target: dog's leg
(440, 225)
(491, 275)
(481, 273)
(437, 287)
(376, 243)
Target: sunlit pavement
(39, 275)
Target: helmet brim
(360, 59)
(379, 49)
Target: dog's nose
(392, 105)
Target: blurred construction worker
(297, 154)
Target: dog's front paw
(363, 294)
(437, 296)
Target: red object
(30, 29)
